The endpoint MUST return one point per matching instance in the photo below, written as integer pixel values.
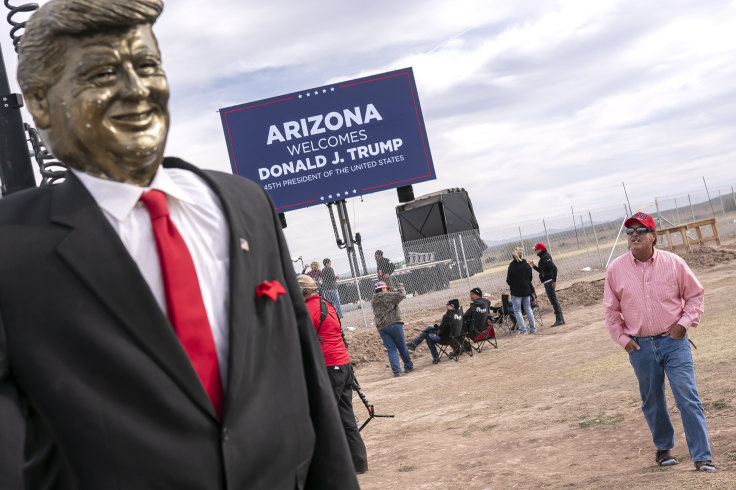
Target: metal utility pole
(16, 172)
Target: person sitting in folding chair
(476, 317)
(439, 334)
(477, 314)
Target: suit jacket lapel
(95, 253)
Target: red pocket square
(271, 289)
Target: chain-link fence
(434, 270)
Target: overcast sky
(532, 106)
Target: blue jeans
(431, 337)
(393, 339)
(664, 355)
(516, 303)
(333, 297)
(552, 295)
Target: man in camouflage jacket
(387, 315)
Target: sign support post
(342, 213)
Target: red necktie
(184, 302)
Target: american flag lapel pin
(244, 245)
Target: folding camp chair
(480, 331)
(446, 346)
(536, 310)
(487, 336)
(508, 320)
(463, 340)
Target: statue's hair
(41, 54)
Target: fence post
(457, 260)
(546, 235)
(734, 197)
(723, 208)
(597, 245)
(629, 213)
(691, 206)
(659, 218)
(521, 240)
(678, 212)
(585, 235)
(575, 227)
(707, 193)
(465, 260)
(360, 300)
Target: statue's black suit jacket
(96, 388)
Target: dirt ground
(557, 409)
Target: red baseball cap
(540, 246)
(642, 218)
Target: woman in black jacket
(519, 279)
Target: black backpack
(323, 312)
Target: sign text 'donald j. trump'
(333, 142)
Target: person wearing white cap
(387, 316)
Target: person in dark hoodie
(478, 306)
(435, 334)
(548, 276)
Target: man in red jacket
(339, 369)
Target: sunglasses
(640, 230)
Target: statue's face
(108, 113)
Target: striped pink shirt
(646, 298)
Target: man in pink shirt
(651, 298)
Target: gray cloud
(534, 107)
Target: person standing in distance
(329, 286)
(384, 268)
(548, 276)
(339, 369)
(651, 299)
(387, 316)
(519, 279)
(152, 332)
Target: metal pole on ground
(678, 212)
(723, 208)
(659, 218)
(692, 211)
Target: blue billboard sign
(333, 142)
